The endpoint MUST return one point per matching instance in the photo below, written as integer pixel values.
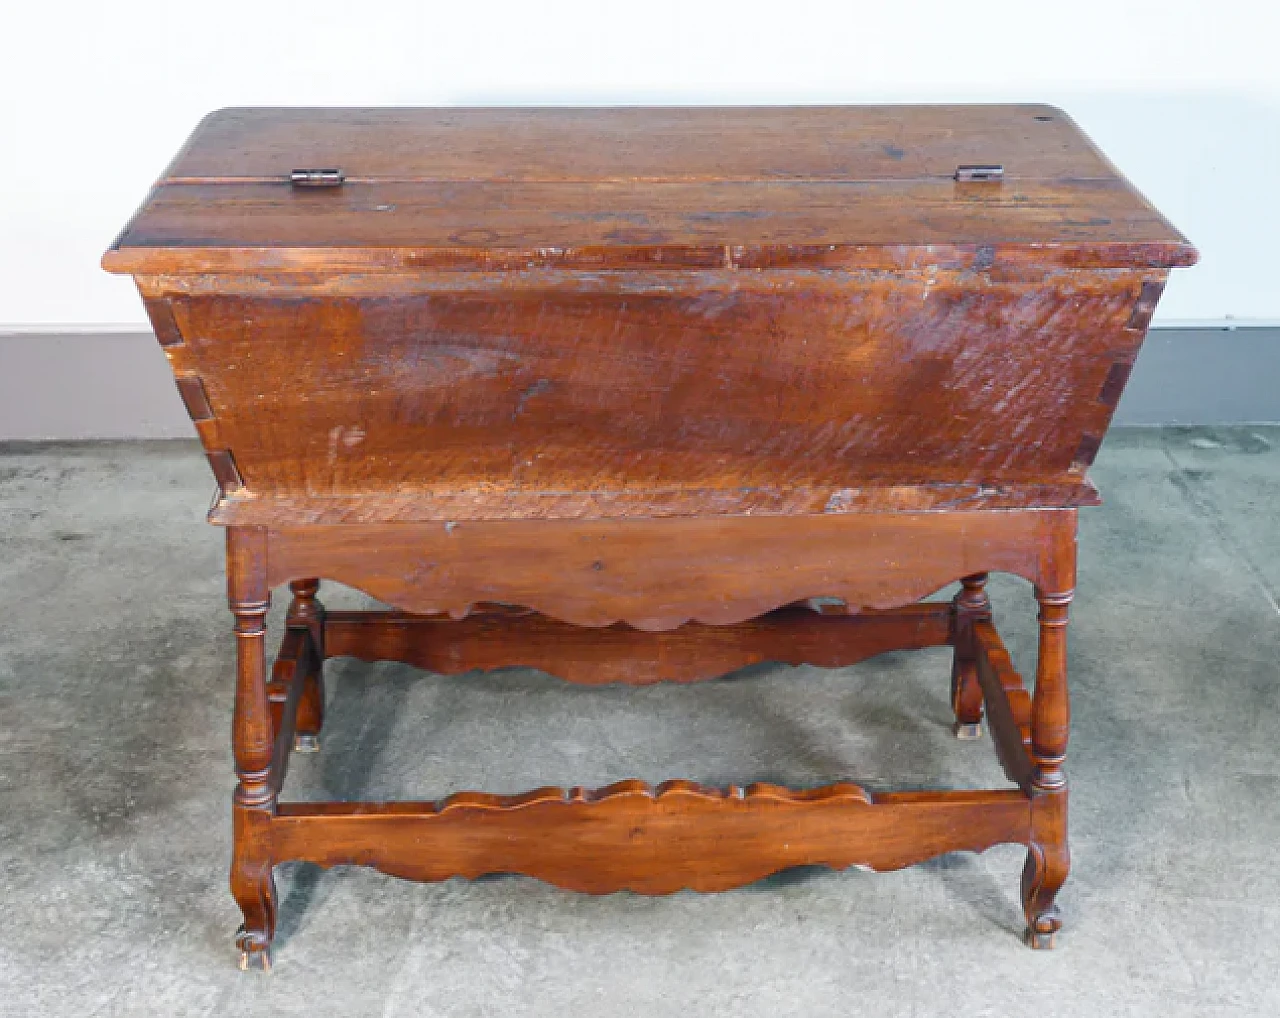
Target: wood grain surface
(663, 374)
(565, 394)
(652, 841)
(656, 575)
(667, 186)
(503, 636)
(638, 143)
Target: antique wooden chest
(648, 394)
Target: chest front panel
(520, 391)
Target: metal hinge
(979, 174)
(316, 178)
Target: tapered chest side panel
(454, 395)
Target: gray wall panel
(1205, 376)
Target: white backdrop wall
(1184, 95)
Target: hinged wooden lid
(848, 186)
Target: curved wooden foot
(255, 893)
(1043, 875)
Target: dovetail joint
(191, 389)
(163, 322)
(1148, 298)
(225, 470)
(1115, 382)
(1086, 452)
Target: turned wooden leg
(1048, 858)
(971, 604)
(307, 612)
(254, 802)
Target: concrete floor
(115, 699)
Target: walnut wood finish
(619, 394)
(1007, 701)
(660, 393)
(1048, 860)
(971, 605)
(691, 837)
(499, 637)
(659, 574)
(754, 188)
(306, 611)
(632, 837)
(254, 802)
(633, 144)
